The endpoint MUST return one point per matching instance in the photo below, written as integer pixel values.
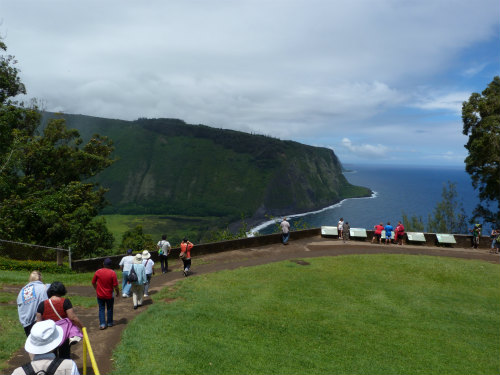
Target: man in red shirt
(378, 233)
(104, 281)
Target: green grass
(366, 314)
(21, 278)
(12, 335)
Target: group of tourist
(344, 229)
(50, 322)
(389, 230)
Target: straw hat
(138, 258)
(146, 255)
(45, 336)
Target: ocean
(410, 189)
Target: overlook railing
(463, 241)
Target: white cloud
(288, 68)
(451, 101)
(365, 150)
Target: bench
(329, 231)
(358, 232)
(448, 239)
(415, 236)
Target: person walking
(388, 232)
(149, 268)
(125, 264)
(138, 285)
(377, 235)
(163, 251)
(346, 229)
(285, 231)
(46, 336)
(185, 255)
(104, 282)
(57, 308)
(28, 300)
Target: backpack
(29, 370)
(132, 275)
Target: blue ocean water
(410, 189)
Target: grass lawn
(360, 314)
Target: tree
(136, 240)
(481, 122)
(449, 215)
(413, 224)
(45, 194)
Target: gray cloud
(316, 71)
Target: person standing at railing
(388, 232)
(104, 282)
(377, 235)
(28, 300)
(340, 227)
(495, 240)
(285, 231)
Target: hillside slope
(166, 166)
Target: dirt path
(103, 342)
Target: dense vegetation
(167, 167)
(481, 122)
(45, 193)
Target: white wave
(278, 220)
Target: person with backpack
(163, 252)
(104, 282)
(149, 268)
(137, 277)
(185, 255)
(44, 337)
(476, 235)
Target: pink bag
(69, 329)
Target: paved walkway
(103, 342)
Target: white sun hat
(44, 337)
(146, 255)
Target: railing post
(69, 257)
(59, 257)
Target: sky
(377, 81)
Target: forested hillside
(165, 166)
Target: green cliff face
(165, 166)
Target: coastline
(253, 230)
